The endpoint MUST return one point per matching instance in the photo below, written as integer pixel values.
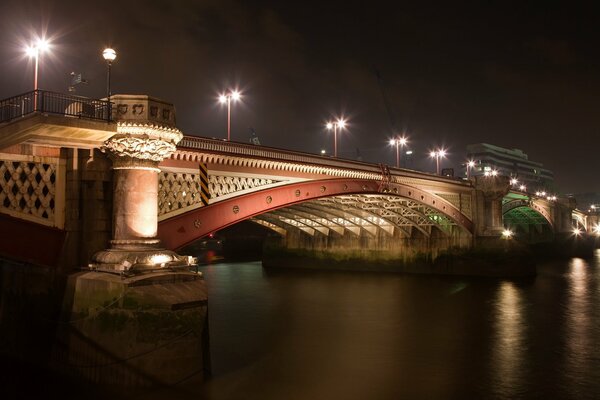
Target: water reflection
(293, 334)
(577, 327)
(507, 361)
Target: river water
(302, 334)
(308, 334)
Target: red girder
(183, 229)
(20, 237)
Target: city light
(470, 165)
(514, 181)
(576, 231)
(226, 98)
(35, 51)
(507, 234)
(398, 142)
(340, 123)
(109, 56)
(437, 154)
(522, 188)
(597, 229)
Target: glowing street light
(470, 165)
(340, 123)
(507, 234)
(35, 51)
(398, 142)
(109, 55)
(576, 231)
(437, 154)
(226, 98)
(514, 181)
(522, 188)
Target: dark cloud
(509, 73)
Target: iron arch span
(185, 228)
(519, 212)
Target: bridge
(177, 188)
(119, 189)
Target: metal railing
(46, 102)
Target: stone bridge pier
(139, 308)
(489, 192)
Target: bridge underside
(358, 214)
(331, 208)
(528, 218)
(528, 224)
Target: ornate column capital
(141, 145)
(493, 187)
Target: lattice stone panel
(28, 188)
(177, 190)
(222, 185)
(463, 204)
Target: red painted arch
(183, 229)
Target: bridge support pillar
(489, 192)
(136, 150)
(140, 307)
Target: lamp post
(437, 154)
(398, 142)
(470, 165)
(226, 98)
(340, 123)
(109, 55)
(35, 51)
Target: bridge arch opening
(528, 222)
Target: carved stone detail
(165, 133)
(140, 147)
(138, 109)
(142, 142)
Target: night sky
(516, 74)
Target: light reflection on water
(322, 335)
(508, 342)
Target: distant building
(510, 162)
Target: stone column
(140, 144)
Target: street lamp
(226, 98)
(109, 55)
(470, 165)
(398, 142)
(437, 154)
(340, 123)
(35, 51)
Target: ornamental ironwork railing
(47, 102)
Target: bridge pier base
(138, 316)
(138, 331)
